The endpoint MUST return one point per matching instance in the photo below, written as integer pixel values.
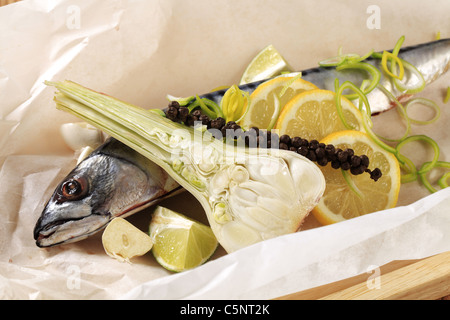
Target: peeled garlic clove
(123, 241)
(84, 152)
(81, 134)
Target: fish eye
(72, 189)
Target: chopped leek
(181, 101)
(394, 59)
(426, 102)
(416, 82)
(442, 182)
(248, 194)
(342, 59)
(233, 104)
(209, 107)
(373, 71)
(447, 95)
(351, 184)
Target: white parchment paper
(139, 51)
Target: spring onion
(182, 101)
(428, 140)
(438, 35)
(233, 104)
(367, 122)
(416, 82)
(208, 107)
(276, 112)
(394, 59)
(447, 95)
(401, 110)
(351, 184)
(342, 59)
(373, 71)
(425, 102)
(289, 83)
(411, 84)
(405, 163)
(248, 194)
(442, 182)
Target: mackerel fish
(115, 180)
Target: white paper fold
(140, 51)
(311, 258)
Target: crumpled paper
(139, 51)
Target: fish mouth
(69, 230)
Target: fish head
(80, 204)
(112, 181)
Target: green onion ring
(337, 97)
(394, 60)
(209, 107)
(428, 103)
(401, 110)
(351, 184)
(410, 89)
(407, 165)
(430, 165)
(442, 181)
(447, 95)
(249, 100)
(374, 72)
(398, 45)
(289, 83)
(367, 121)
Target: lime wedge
(267, 63)
(180, 243)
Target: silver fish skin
(112, 181)
(432, 59)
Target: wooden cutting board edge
(425, 279)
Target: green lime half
(180, 243)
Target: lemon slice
(266, 64)
(180, 243)
(342, 201)
(313, 115)
(263, 111)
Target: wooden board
(426, 279)
(5, 2)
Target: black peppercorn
(172, 113)
(345, 165)
(285, 139)
(311, 155)
(320, 153)
(313, 150)
(355, 161)
(303, 151)
(335, 164)
(174, 104)
(322, 161)
(296, 142)
(183, 113)
(342, 156)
